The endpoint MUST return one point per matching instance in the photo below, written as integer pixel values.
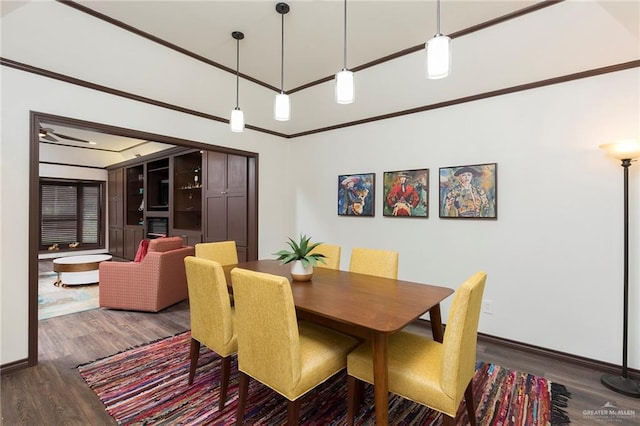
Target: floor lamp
(626, 151)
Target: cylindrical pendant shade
(345, 92)
(282, 108)
(237, 120)
(627, 149)
(438, 57)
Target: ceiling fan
(48, 135)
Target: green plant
(300, 251)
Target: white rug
(55, 301)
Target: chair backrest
(331, 255)
(209, 303)
(460, 337)
(267, 329)
(164, 263)
(223, 252)
(381, 263)
(165, 244)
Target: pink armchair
(156, 282)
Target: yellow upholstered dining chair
(381, 263)
(212, 317)
(331, 255)
(288, 356)
(223, 252)
(430, 373)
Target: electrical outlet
(487, 306)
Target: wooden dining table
(366, 306)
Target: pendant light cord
(437, 17)
(282, 57)
(237, 72)
(345, 34)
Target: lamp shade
(438, 57)
(237, 120)
(282, 107)
(345, 92)
(627, 149)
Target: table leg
(436, 323)
(380, 378)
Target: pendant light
(344, 79)
(282, 107)
(237, 116)
(438, 52)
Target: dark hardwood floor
(53, 393)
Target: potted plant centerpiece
(300, 257)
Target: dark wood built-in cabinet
(199, 195)
(133, 230)
(225, 199)
(115, 189)
(187, 196)
(135, 195)
(158, 185)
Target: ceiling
(496, 45)
(65, 136)
(313, 30)
(59, 144)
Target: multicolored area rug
(56, 301)
(148, 385)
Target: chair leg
(351, 396)
(448, 421)
(194, 353)
(293, 412)
(224, 381)
(243, 387)
(468, 399)
(355, 389)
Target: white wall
(553, 256)
(23, 92)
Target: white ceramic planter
(299, 272)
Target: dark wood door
(225, 199)
(115, 187)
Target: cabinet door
(115, 187)
(215, 226)
(132, 237)
(134, 188)
(237, 199)
(226, 198)
(116, 241)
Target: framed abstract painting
(406, 193)
(469, 192)
(356, 194)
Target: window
(70, 213)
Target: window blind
(70, 212)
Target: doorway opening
(38, 121)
